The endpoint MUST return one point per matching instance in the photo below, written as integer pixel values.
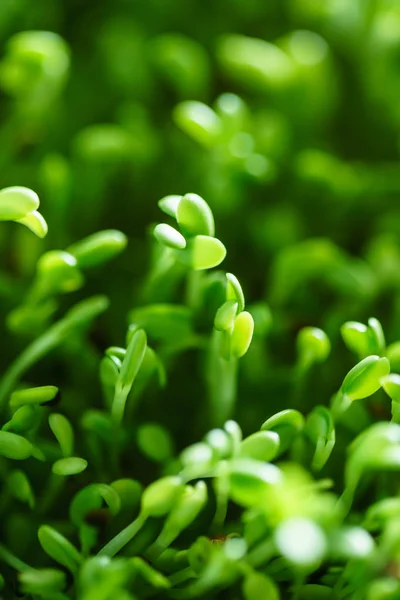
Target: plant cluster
(211, 410)
(230, 511)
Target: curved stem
(32, 354)
(123, 537)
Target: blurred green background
(295, 147)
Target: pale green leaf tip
(36, 223)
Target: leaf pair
(235, 324)
(20, 204)
(195, 246)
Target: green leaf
(129, 492)
(116, 353)
(155, 442)
(160, 496)
(59, 548)
(287, 424)
(199, 121)
(101, 577)
(376, 336)
(187, 507)
(250, 481)
(202, 252)
(91, 498)
(25, 418)
(20, 487)
(37, 395)
(234, 291)
(257, 585)
(194, 216)
(14, 446)
(85, 311)
(133, 359)
(17, 202)
(69, 466)
(169, 204)
(110, 367)
(365, 378)
(391, 385)
(58, 272)
(321, 431)
(64, 433)
(242, 334)
(42, 582)
(98, 248)
(35, 222)
(255, 62)
(169, 236)
(220, 442)
(262, 445)
(225, 317)
(313, 346)
(198, 454)
(355, 336)
(362, 339)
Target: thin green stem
(53, 337)
(181, 576)
(193, 289)
(10, 559)
(118, 405)
(222, 499)
(262, 553)
(123, 537)
(53, 489)
(340, 403)
(300, 379)
(221, 376)
(31, 355)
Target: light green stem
(339, 405)
(181, 576)
(395, 412)
(118, 405)
(193, 289)
(123, 537)
(222, 498)
(10, 559)
(53, 489)
(53, 337)
(32, 354)
(262, 553)
(221, 375)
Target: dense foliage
(197, 396)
